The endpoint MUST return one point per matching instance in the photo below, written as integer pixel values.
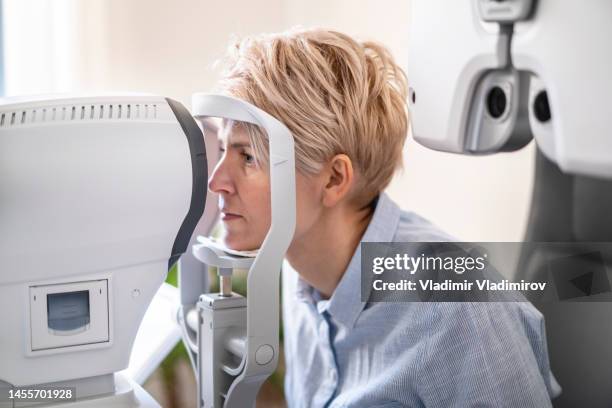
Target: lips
(228, 216)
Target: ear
(339, 179)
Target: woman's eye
(248, 158)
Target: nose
(220, 182)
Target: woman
(344, 102)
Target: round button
(264, 354)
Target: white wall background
(169, 47)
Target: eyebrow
(238, 145)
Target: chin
(237, 242)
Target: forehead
(232, 131)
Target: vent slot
(79, 113)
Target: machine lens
(541, 108)
(496, 102)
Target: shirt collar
(345, 304)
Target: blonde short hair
(335, 94)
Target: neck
(322, 255)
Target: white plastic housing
(450, 49)
(566, 44)
(561, 47)
(93, 189)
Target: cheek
(255, 197)
(260, 213)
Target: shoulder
(462, 322)
(414, 227)
(465, 320)
(464, 335)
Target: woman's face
(244, 194)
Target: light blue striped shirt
(343, 352)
